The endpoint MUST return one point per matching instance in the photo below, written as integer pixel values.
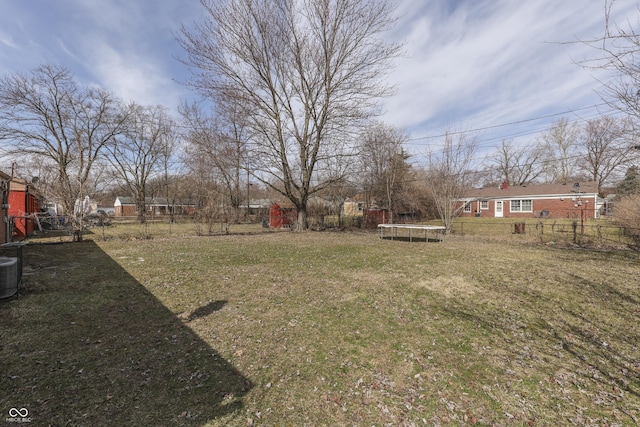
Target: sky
(500, 69)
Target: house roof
(125, 200)
(258, 204)
(152, 201)
(589, 187)
(358, 198)
(22, 185)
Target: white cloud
(124, 46)
(133, 76)
(469, 64)
(481, 63)
(8, 41)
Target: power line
(489, 143)
(505, 124)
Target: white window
(522, 205)
(484, 205)
(467, 207)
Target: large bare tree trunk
(307, 73)
(301, 223)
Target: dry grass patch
(450, 286)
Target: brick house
(574, 200)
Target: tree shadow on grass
(206, 310)
(86, 344)
(593, 347)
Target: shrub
(626, 213)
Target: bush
(626, 213)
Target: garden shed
(24, 205)
(282, 216)
(375, 216)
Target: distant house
(354, 206)
(573, 200)
(256, 206)
(126, 206)
(372, 215)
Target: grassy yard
(322, 329)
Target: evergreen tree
(631, 182)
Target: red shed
(281, 217)
(24, 202)
(375, 216)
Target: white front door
(498, 209)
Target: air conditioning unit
(8, 277)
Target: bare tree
(138, 153)
(306, 72)
(211, 199)
(221, 142)
(604, 149)
(619, 48)
(384, 165)
(48, 115)
(559, 151)
(517, 165)
(447, 174)
(171, 179)
(336, 195)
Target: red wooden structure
(24, 202)
(6, 226)
(375, 216)
(281, 217)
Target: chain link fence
(549, 231)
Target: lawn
(322, 329)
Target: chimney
(504, 185)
